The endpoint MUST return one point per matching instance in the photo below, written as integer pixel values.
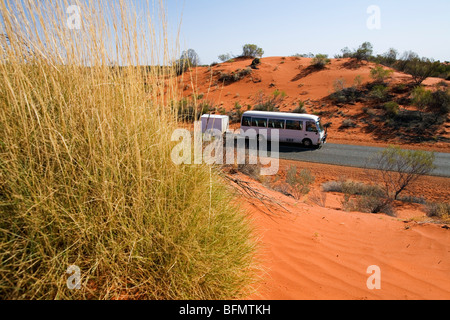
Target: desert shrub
(255, 63)
(400, 168)
(189, 58)
(370, 198)
(400, 88)
(86, 170)
(300, 108)
(299, 181)
(225, 57)
(344, 94)
(440, 210)
(379, 74)
(348, 123)
(391, 108)
(364, 52)
(251, 170)
(318, 198)
(379, 93)
(353, 188)
(268, 103)
(188, 110)
(320, 61)
(371, 204)
(252, 50)
(440, 102)
(234, 76)
(421, 97)
(420, 68)
(412, 199)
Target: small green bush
(379, 74)
(379, 93)
(391, 108)
(320, 61)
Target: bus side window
(311, 126)
(259, 122)
(294, 125)
(247, 121)
(276, 124)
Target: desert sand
(310, 251)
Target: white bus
(300, 128)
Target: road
(352, 156)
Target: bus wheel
(307, 143)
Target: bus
(304, 129)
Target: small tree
(224, 57)
(390, 57)
(188, 59)
(400, 168)
(420, 69)
(252, 50)
(364, 52)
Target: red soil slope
(312, 251)
(299, 82)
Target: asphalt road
(351, 155)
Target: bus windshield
(319, 126)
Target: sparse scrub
(352, 188)
(439, 210)
(269, 103)
(391, 108)
(361, 197)
(86, 176)
(379, 74)
(370, 204)
(344, 94)
(348, 123)
(421, 68)
(300, 108)
(400, 168)
(319, 198)
(225, 57)
(421, 98)
(299, 181)
(379, 93)
(320, 61)
(234, 76)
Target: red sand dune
(314, 252)
(293, 76)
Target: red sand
(315, 252)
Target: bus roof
(284, 115)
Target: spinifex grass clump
(86, 177)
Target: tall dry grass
(86, 177)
